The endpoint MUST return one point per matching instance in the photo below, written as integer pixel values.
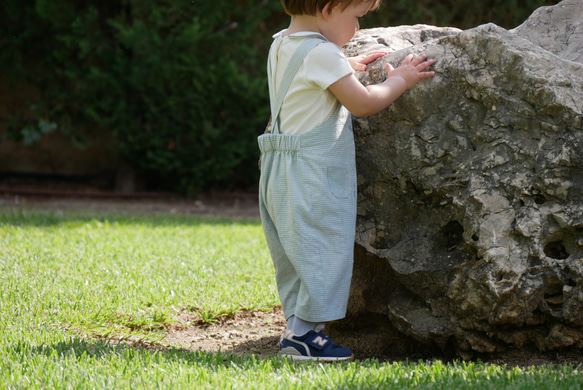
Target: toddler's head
(312, 7)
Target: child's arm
(365, 101)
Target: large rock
(470, 213)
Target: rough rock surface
(470, 214)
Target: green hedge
(180, 83)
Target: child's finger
(389, 67)
(376, 54)
(424, 65)
(407, 59)
(418, 60)
(373, 55)
(359, 67)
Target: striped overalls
(307, 195)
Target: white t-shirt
(308, 102)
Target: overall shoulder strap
(296, 60)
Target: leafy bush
(181, 84)
(178, 82)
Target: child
(307, 190)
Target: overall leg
(272, 186)
(327, 240)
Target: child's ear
(327, 10)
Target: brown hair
(311, 7)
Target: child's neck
(303, 23)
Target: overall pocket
(339, 182)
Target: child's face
(342, 24)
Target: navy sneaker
(312, 346)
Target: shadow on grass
(245, 355)
(79, 349)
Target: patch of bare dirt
(255, 332)
(248, 332)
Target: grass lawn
(65, 276)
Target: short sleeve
(326, 64)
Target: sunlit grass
(108, 275)
(132, 272)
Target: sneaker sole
(317, 358)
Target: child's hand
(411, 70)
(367, 100)
(359, 63)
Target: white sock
(300, 327)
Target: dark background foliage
(180, 84)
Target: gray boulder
(470, 211)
